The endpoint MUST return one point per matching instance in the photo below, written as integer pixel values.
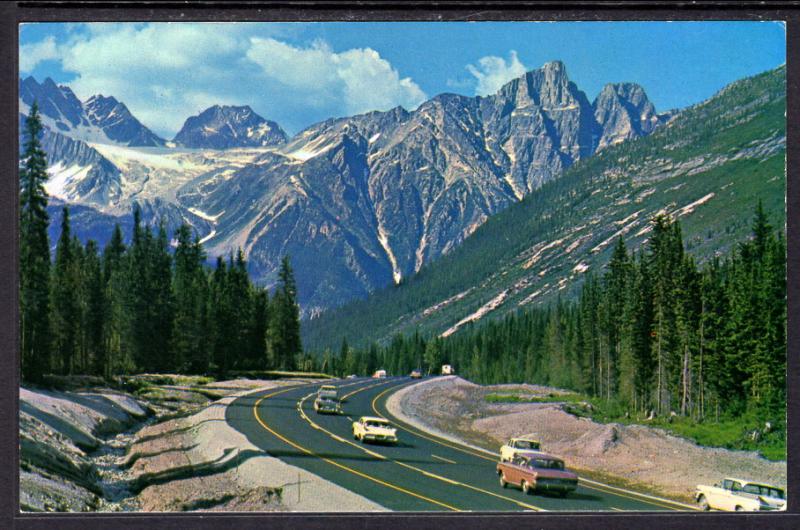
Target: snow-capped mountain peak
(224, 127)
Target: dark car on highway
(537, 472)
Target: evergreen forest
(151, 305)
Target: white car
(326, 405)
(328, 391)
(372, 429)
(518, 445)
(736, 495)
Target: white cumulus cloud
(360, 78)
(30, 55)
(493, 72)
(166, 72)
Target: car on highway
(447, 369)
(537, 472)
(736, 495)
(327, 405)
(373, 429)
(415, 374)
(328, 391)
(352, 376)
(379, 374)
(517, 445)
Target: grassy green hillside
(707, 167)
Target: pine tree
(66, 320)
(116, 353)
(189, 287)
(615, 284)
(161, 307)
(257, 340)
(284, 331)
(220, 323)
(665, 256)
(138, 296)
(240, 305)
(94, 312)
(34, 249)
(433, 356)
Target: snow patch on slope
(689, 208)
(207, 217)
(491, 305)
(61, 177)
(383, 239)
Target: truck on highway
(518, 445)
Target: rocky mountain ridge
(707, 168)
(363, 201)
(224, 127)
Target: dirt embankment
(164, 446)
(635, 455)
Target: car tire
(526, 487)
(503, 482)
(739, 509)
(703, 502)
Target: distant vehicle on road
(448, 369)
(537, 472)
(517, 445)
(736, 495)
(379, 374)
(416, 374)
(327, 405)
(372, 429)
(352, 376)
(328, 391)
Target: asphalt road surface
(421, 473)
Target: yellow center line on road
(443, 459)
(337, 464)
(590, 484)
(408, 466)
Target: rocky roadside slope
(158, 444)
(641, 457)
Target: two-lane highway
(421, 473)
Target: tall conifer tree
(34, 254)
(66, 318)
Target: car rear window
(542, 463)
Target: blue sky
(300, 73)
